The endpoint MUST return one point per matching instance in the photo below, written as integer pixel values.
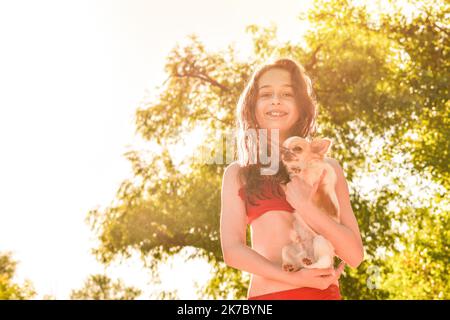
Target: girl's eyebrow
(268, 86)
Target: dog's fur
(307, 160)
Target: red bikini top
(273, 202)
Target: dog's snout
(287, 155)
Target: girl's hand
(299, 193)
(317, 278)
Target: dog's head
(297, 152)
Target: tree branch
(313, 61)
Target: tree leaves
(9, 290)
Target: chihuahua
(307, 161)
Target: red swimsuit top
(273, 202)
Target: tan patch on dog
(325, 203)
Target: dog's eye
(297, 149)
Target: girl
(279, 98)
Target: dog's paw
(288, 267)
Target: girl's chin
(280, 128)
(281, 133)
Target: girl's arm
(233, 233)
(344, 236)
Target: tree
(9, 290)
(380, 80)
(101, 287)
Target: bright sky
(72, 75)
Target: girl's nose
(275, 99)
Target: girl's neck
(268, 139)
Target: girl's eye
(268, 95)
(297, 149)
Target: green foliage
(9, 290)
(101, 287)
(377, 78)
(227, 283)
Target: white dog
(306, 160)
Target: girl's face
(275, 105)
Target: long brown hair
(247, 144)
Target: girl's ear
(321, 146)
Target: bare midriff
(269, 234)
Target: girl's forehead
(274, 77)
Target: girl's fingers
(330, 271)
(320, 179)
(340, 269)
(341, 266)
(324, 272)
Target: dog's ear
(294, 140)
(321, 146)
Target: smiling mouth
(276, 114)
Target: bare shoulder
(332, 162)
(336, 166)
(231, 173)
(234, 217)
(233, 167)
